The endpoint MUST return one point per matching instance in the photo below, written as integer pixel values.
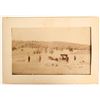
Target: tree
(71, 49)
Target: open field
(50, 58)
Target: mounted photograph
(50, 50)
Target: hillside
(44, 44)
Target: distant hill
(44, 44)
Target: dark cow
(51, 58)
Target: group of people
(64, 57)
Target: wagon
(64, 57)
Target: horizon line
(51, 41)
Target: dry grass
(46, 66)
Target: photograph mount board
(50, 50)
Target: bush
(14, 48)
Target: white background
(48, 8)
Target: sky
(79, 35)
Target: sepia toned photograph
(51, 51)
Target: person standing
(39, 58)
(74, 57)
(29, 58)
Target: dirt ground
(26, 62)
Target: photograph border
(43, 22)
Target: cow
(51, 58)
